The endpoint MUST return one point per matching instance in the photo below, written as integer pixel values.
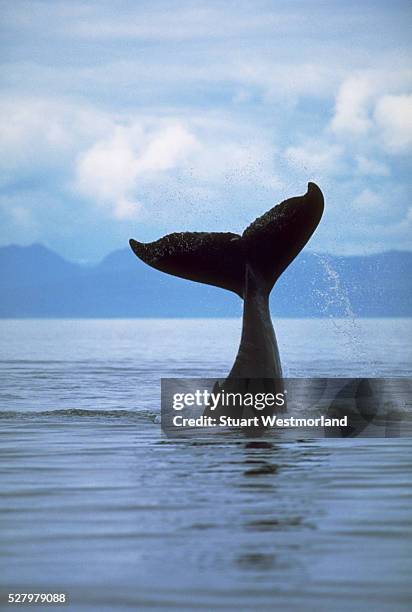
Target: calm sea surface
(97, 503)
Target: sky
(134, 119)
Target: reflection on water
(96, 502)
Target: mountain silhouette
(36, 282)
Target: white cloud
(277, 80)
(393, 116)
(315, 157)
(20, 217)
(167, 149)
(110, 170)
(378, 207)
(352, 107)
(23, 217)
(180, 23)
(43, 134)
(107, 172)
(373, 106)
(368, 200)
(119, 161)
(371, 167)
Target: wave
(135, 415)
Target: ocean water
(98, 504)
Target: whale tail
(268, 246)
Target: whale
(249, 265)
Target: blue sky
(123, 119)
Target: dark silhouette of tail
(267, 246)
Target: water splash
(335, 298)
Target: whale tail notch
(268, 246)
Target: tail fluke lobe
(273, 240)
(267, 246)
(214, 258)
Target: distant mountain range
(36, 282)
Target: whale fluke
(267, 246)
(249, 265)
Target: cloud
(179, 22)
(167, 148)
(373, 106)
(371, 167)
(119, 162)
(275, 52)
(393, 116)
(279, 80)
(182, 20)
(106, 173)
(368, 200)
(315, 157)
(352, 107)
(109, 171)
(20, 218)
(43, 134)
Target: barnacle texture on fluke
(207, 257)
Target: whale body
(249, 265)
